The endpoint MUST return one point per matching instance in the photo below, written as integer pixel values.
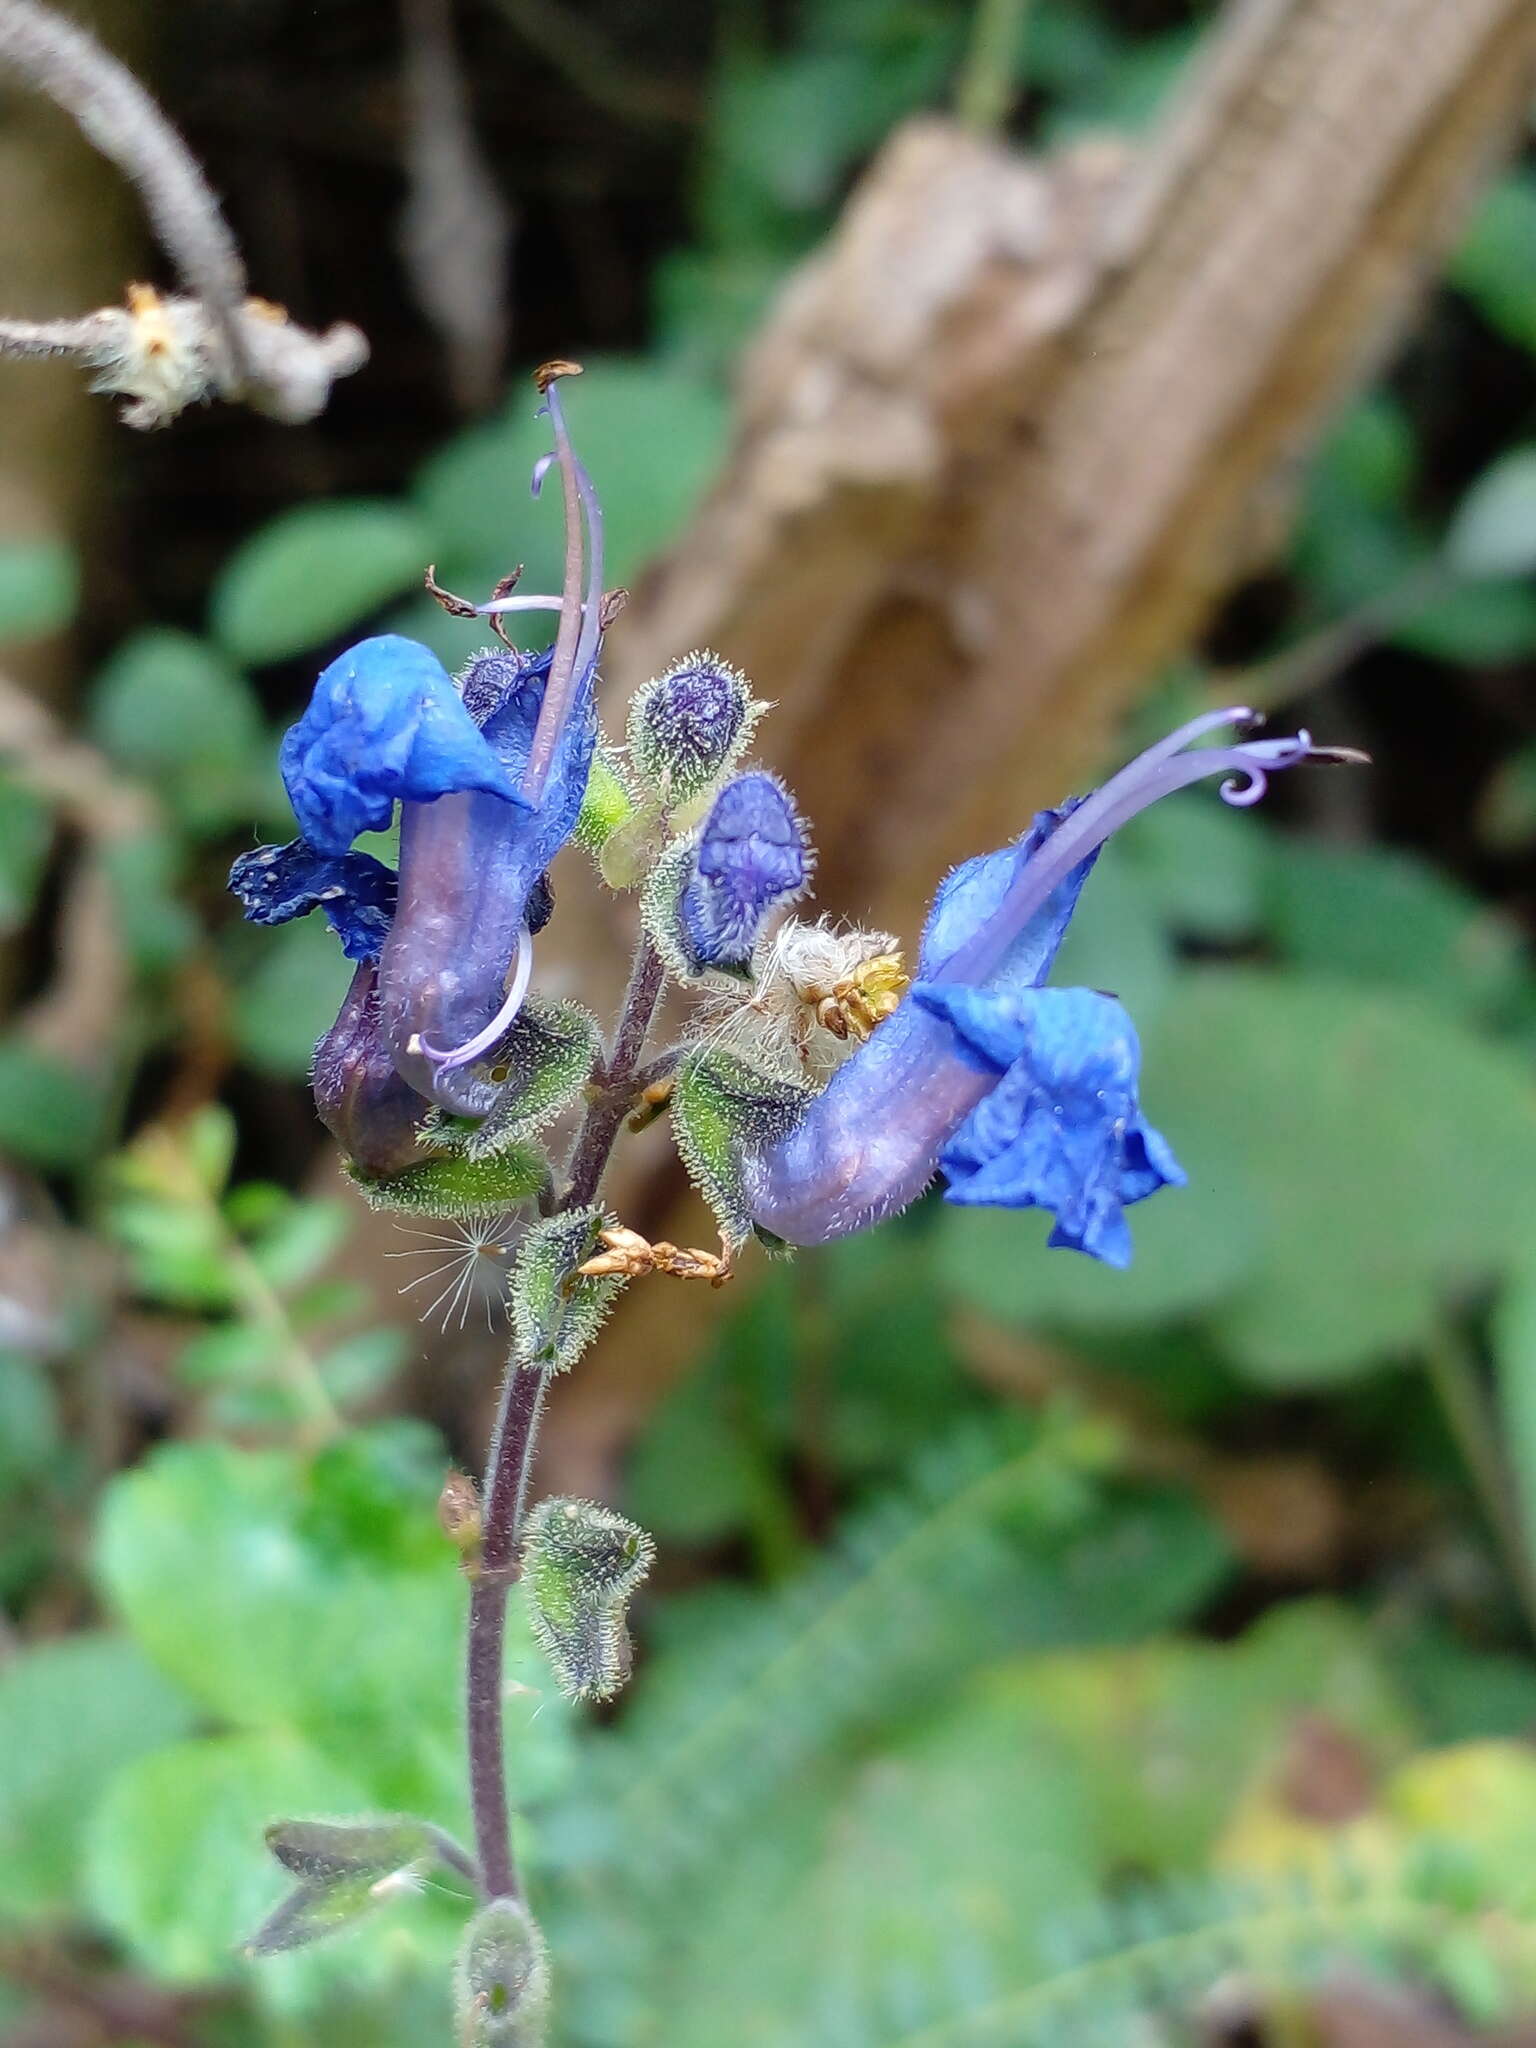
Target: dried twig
(456, 227)
(163, 354)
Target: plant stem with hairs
(514, 1441)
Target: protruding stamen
(495, 605)
(475, 1048)
(581, 610)
(1170, 765)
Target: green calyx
(501, 1979)
(459, 1187)
(581, 1565)
(556, 1312)
(661, 914)
(722, 1107)
(606, 804)
(345, 1871)
(542, 1065)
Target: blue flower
(489, 774)
(455, 966)
(385, 724)
(752, 858)
(1024, 1096)
(356, 892)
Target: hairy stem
(506, 1488)
(605, 1118)
(510, 1462)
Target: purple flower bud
(373, 1114)
(752, 859)
(689, 725)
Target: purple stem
(510, 1462)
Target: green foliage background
(1000, 1592)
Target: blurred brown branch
(76, 1014)
(1012, 433)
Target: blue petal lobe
(1063, 1129)
(967, 898)
(385, 723)
(356, 892)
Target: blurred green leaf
(1461, 1692)
(1194, 1247)
(1493, 265)
(26, 838)
(1127, 96)
(313, 572)
(1379, 915)
(870, 1884)
(290, 997)
(293, 1246)
(875, 1370)
(39, 588)
(1201, 863)
(1474, 624)
(1117, 940)
(29, 1420)
(1000, 1536)
(650, 433)
(1168, 1734)
(171, 708)
(701, 1469)
(361, 1365)
(1353, 538)
(211, 1135)
(1494, 530)
(155, 926)
(243, 1578)
(50, 1114)
(1385, 1150)
(73, 1715)
(227, 1352)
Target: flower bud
(752, 858)
(581, 1563)
(690, 726)
(501, 1979)
(373, 1114)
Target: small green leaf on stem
(722, 1106)
(542, 1066)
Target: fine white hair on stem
(164, 353)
